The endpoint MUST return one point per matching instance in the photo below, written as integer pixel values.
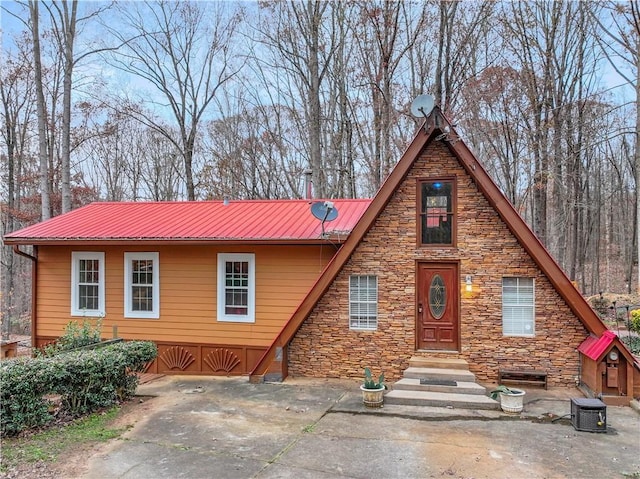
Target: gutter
(34, 283)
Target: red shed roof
(203, 221)
(595, 348)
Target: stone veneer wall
(326, 347)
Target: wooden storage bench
(517, 376)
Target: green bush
(98, 378)
(75, 336)
(632, 342)
(85, 381)
(634, 320)
(25, 382)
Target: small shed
(607, 370)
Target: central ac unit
(588, 415)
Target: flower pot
(512, 402)
(372, 397)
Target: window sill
(85, 313)
(236, 320)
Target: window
(517, 307)
(363, 302)
(236, 287)
(436, 213)
(141, 285)
(87, 284)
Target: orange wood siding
(188, 292)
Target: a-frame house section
(487, 257)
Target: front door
(437, 309)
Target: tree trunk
(45, 201)
(68, 35)
(315, 15)
(637, 164)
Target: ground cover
(61, 449)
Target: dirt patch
(72, 461)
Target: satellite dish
(422, 106)
(324, 211)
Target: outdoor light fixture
(468, 284)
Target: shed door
(437, 308)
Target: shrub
(85, 380)
(98, 378)
(632, 342)
(634, 320)
(601, 305)
(25, 382)
(76, 336)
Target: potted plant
(510, 398)
(372, 390)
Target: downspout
(34, 283)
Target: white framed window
(518, 312)
(141, 285)
(363, 302)
(236, 287)
(87, 283)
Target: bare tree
(300, 37)
(386, 32)
(43, 150)
(620, 39)
(66, 35)
(183, 52)
(17, 114)
(462, 32)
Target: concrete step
(462, 387)
(441, 363)
(438, 399)
(438, 373)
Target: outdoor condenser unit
(588, 415)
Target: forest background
(203, 100)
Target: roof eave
(172, 241)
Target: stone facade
(485, 248)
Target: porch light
(468, 283)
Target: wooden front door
(437, 308)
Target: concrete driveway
(203, 427)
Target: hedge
(634, 320)
(85, 381)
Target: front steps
(439, 383)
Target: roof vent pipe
(308, 185)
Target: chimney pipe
(308, 185)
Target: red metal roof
(595, 348)
(243, 220)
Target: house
(472, 283)
(437, 264)
(212, 283)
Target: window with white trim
(518, 314)
(236, 287)
(141, 285)
(363, 302)
(87, 283)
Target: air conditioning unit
(588, 415)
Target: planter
(512, 402)
(372, 397)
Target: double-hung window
(518, 314)
(87, 284)
(141, 285)
(236, 287)
(363, 302)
